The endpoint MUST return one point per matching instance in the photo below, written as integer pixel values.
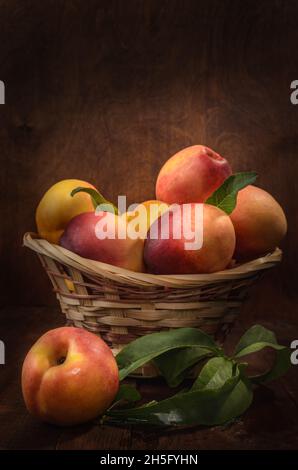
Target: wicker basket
(121, 305)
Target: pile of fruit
(240, 221)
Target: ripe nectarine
(259, 222)
(170, 256)
(82, 234)
(69, 376)
(191, 175)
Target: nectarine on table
(57, 207)
(191, 175)
(259, 222)
(169, 255)
(69, 376)
(118, 247)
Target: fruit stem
(97, 199)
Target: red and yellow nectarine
(170, 256)
(82, 234)
(69, 376)
(191, 175)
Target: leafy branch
(221, 391)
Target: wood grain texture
(107, 90)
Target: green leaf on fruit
(225, 197)
(97, 199)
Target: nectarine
(191, 175)
(169, 255)
(144, 215)
(103, 237)
(69, 376)
(259, 222)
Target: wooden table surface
(270, 423)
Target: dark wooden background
(106, 91)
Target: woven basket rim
(97, 268)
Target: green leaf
(225, 197)
(220, 393)
(127, 393)
(255, 334)
(174, 365)
(97, 199)
(228, 397)
(148, 347)
(257, 338)
(217, 372)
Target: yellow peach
(259, 223)
(57, 207)
(143, 216)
